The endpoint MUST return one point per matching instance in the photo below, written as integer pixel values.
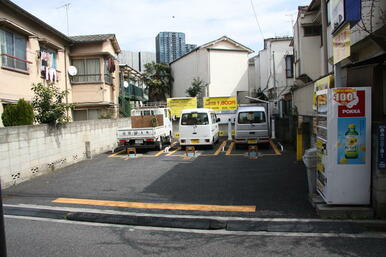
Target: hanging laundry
(111, 65)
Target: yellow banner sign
(341, 44)
(321, 84)
(221, 103)
(176, 105)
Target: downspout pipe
(323, 10)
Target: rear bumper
(144, 145)
(184, 141)
(249, 140)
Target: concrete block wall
(29, 151)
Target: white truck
(151, 127)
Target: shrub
(48, 104)
(19, 114)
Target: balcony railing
(14, 63)
(108, 79)
(86, 78)
(133, 92)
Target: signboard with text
(341, 44)
(176, 105)
(221, 103)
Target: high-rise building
(169, 46)
(189, 47)
(136, 60)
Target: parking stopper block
(252, 151)
(190, 151)
(132, 152)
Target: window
(289, 66)
(108, 78)
(251, 117)
(13, 50)
(312, 30)
(88, 71)
(194, 118)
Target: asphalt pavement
(28, 237)
(275, 184)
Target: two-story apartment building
(95, 87)
(32, 51)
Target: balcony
(133, 93)
(14, 63)
(91, 79)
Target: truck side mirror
(218, 120)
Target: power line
(257, 21)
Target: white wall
(302, 99)
(252, 79)
(185, 69)
(29, 151)
(257, 71)
(225, 71)
(228, 72)
(265, 69)
(308, 49)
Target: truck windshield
(251, 117)
(194, 118)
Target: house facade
(32, 51)
(95, 87)
(274, 67)
(222, 63)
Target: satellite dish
(72, 70)
(125, 84)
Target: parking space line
(174, 151)
(115, 154)
(161, 206)
(230, 148)
(277, 152)
(223, 144)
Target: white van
(198, 127)
(251, 125)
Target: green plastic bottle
(351, 149)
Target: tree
(158, 80)
(18, 114)
(49, 105)
(196, 88)
(373, 18)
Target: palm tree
(158, 80)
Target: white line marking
(212, 232)
(223, 218)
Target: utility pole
(275, 95)
(3, 248)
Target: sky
(136, 23)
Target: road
(219, 202)
(50, 238)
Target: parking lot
(222, 147)
(221, 181)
